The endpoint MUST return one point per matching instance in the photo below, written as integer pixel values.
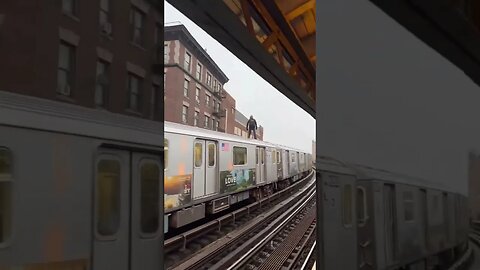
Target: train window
(408, 205)
(108, 197)
(150, 192)
(278, 157)
(293, 157)
(211, 154)
(361, 206)
(240, 155)
(347, 205)
(5, 194)
(165, 149)
(256, 156)
(274, 156)
(198, 154)
(262, 156)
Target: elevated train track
(222, 252)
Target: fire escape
(219, 111)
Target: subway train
(80, 188)
(376, 219)
(208, 171)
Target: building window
(408, 204)
(198, 158)
(199, 72)
(101, 89)
(137, 23)
(66, 70)
(134, 89)
(185, 87)
(150, 194)
(195, 119)
(209, 79)
(207, 100)
(6, 179)
(197, 95)
(104, 15)
(207, 119)
(165, 53)
(188, 60)
(69, 6)
(153, 101)
(239, 155)
(217, 125)
(213, 123)
(184, 114)
(215, 85)
(347, 205)
(108, 197)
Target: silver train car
(382, 220)
(79, 188)
(207, 171)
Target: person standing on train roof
(252, 127)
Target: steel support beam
(223, 25)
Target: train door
(260, 165)
(205, 168)
(286, 164)
(365, 226)
(279, 164)
(339, 221)
(127, 226)
(390, 219)
(424, 217)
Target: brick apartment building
(93, 53)
(194, 86)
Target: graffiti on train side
(177, 191)
(236, 180)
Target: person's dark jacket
(251, 124)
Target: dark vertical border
(160, 115)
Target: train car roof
(206, 133)
(324, 163)
(363, 172)
(42, 114)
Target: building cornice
(180, 32)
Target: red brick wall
(174, 97)
(229, 104)
(30, 43)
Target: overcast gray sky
(283, 121)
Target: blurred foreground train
(375, 219)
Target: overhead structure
(451, 27)
(276, 38)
